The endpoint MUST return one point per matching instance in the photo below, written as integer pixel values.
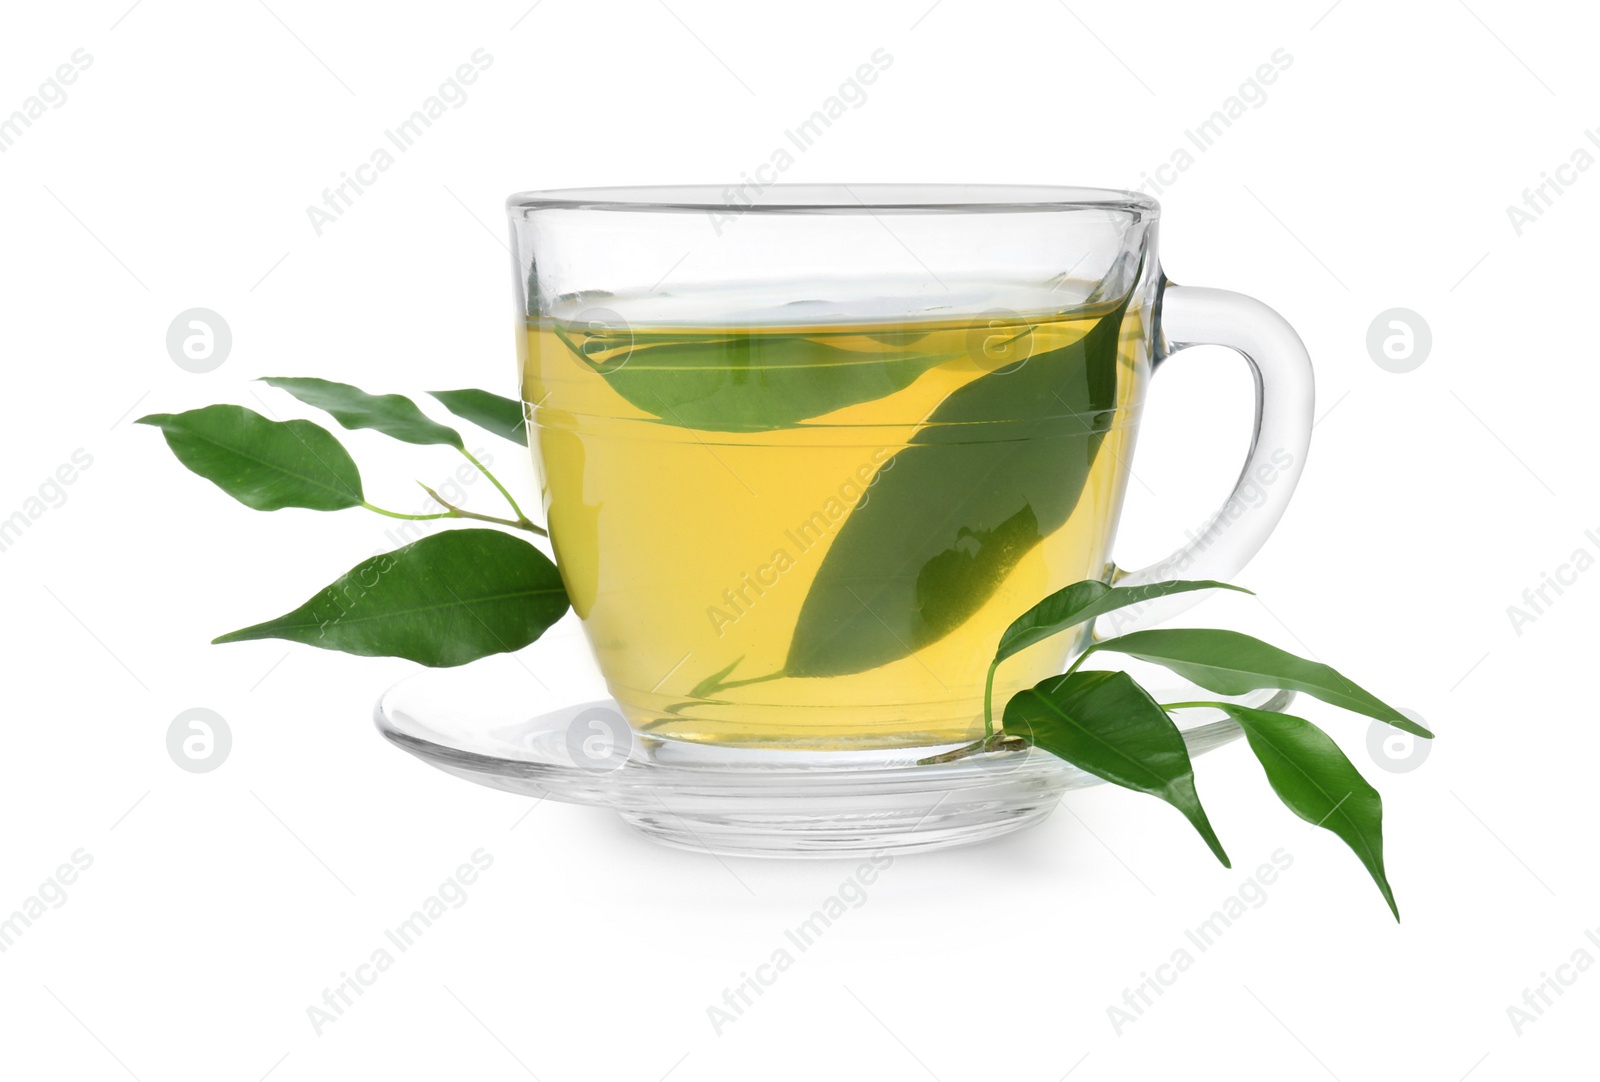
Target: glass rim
(928, 198)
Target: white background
(219, 906)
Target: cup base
(474, 722)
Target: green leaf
(1312, 776)
(1085, 601)
(1106, 724)
(751, 382)
(394, 415)
(447, 599)
(502, 416)
(263, 464)
(1230, 663)
(998, 465)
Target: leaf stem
(397, 514)
(1081, 659)
(988, 691)
(988, 701)
(1193, 706)
(992, 742)
(452, 511)
(522, 519)
(752, 680)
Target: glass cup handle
(1193, 316)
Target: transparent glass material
(802, 461)
(474, 723)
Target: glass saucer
(475, 722)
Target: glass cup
(804, 459)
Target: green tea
(813, 535)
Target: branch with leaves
(460, 595)
(446, 599)
(1105, 723)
